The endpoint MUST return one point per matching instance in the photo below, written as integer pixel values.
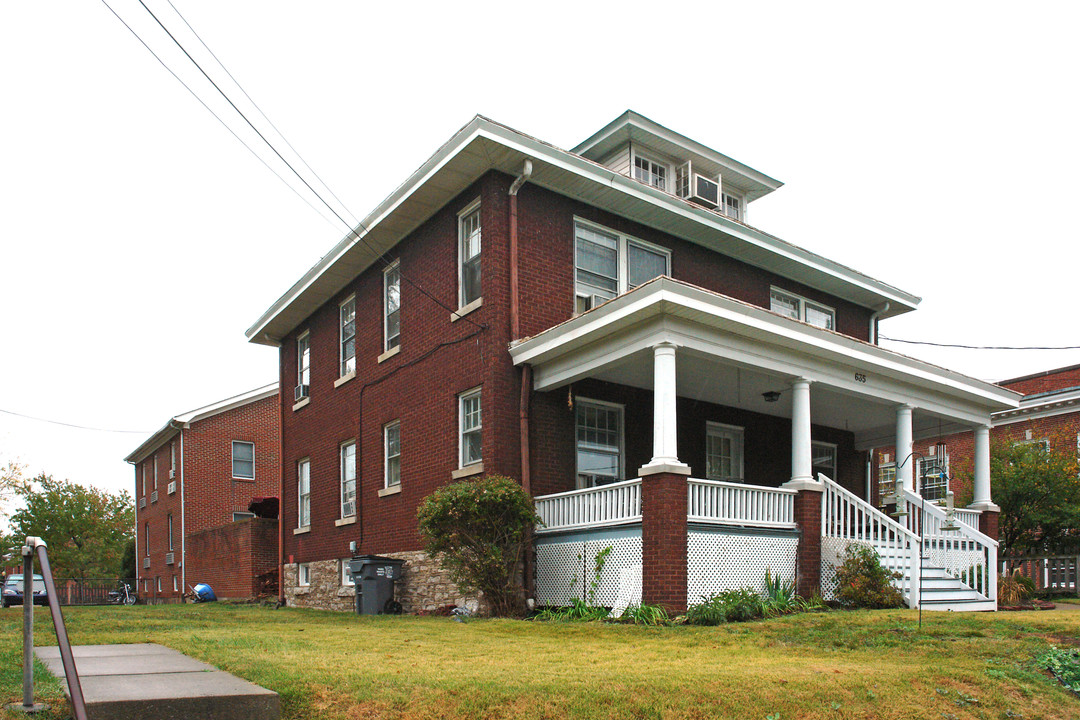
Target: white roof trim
(480, 129)
(173, 426)
(1044, 405)
(664, 296)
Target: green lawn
(833, 665)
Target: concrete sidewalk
(143, 681)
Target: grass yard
(834, 665)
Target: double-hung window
(243, 460)
(599, 427)
(392, 307)
(155, 472)
(392, 453)
(347, 337)
(348, 479)
(823, 459)
(144, 478)
(169, 521)
(650, 172)
(723, 452)
(886, 481)
(608, 263)
(303, 365)
(934, 473)
(731, 205)
(146, 539)
(799, 308)
(469, 254)
(469, 428)
(303, 494)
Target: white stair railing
(965, 553)
(615, 504)
(847, 519)
(724, 503)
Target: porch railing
(848, 519)
(603, 506)
(724, 503)
(968, 517)
(964, 552)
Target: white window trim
(144, 478)
(386, 453)
(169, 520)
(835, 451)
(396, 265)
(624, 242)
(803, 302)
(578, 401)
(738, 198)
(303, 574)
(669, 168)
(232, 459)
(342, 372)
(299, 494)
(341, 478)
(469, 209)
(155, 470)
(715, 429)
(346, 576)
(462, 397)
(305, 339)
(175, 584)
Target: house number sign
(860, 377)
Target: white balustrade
(725, 503)
(964, 552)
(968, 517)
(615, 504)
(848, 519)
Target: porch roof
(731, 352)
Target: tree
(1038, 490)
(85, 529)
(480, 527)
(10, 482)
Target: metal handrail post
(28, 630)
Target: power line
(218, 117)
(981, 347)
(351, 230)
(72, 425)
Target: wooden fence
(1049, 573)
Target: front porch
(771, 411)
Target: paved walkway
(144, 681)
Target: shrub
(727, 606)
(645, 615)
(1014, 588)
(864, 583)
(577, 610)
(480, 528)
(780, 598)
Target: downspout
(526, 370)
(874, 322)
(515, 314)
(183, 527)
(281, 475)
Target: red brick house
(604, 325)
(195, 482)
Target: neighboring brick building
(619, 325)
(195, 482)
(1049, 412)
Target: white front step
(980, 605)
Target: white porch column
(905, 462)
(802, 454)
(982, 497)
(665, 421)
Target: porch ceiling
(730, 353)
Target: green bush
(645, 615)
(480, 527)
(864, 583)
(577, 610)
(727, 606)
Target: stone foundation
(424, 586)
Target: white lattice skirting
(718, 560)
(566, 570)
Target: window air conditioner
(172, 474)
(169, 558)
(142, 502)
(696, 187)
(153, 497)
(301, 392)
(171, 488)
(146, 562)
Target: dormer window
(731, 206)
(650, 172)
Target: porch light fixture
(771, 396)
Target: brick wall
(211, 494)
(663, 541)
(231, 558)
(1058, 379)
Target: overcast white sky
(933, 146)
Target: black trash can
(374, 578)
